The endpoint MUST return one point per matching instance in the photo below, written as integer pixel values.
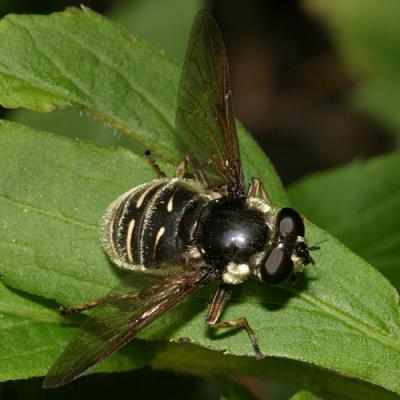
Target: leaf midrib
(58, 215)
(348, 319)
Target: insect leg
(181, 168)
(256, 187)
(218, 303)
(198, 172)
(220, 298)
(153, 164)
(84, 307)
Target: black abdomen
(141, 226)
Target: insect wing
(114, 323)
(205, 121)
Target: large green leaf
(115, 77)
(344, 316)
(368, 36)
(359, 204)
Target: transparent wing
(205, 121)
(115, 322)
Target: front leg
(218, 303)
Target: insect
(185, 233)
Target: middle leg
(218, 303)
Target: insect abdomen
(141, 226)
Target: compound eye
(290, 222)
(277, 267)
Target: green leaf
(303, 395)
(368, 35)
(53, 192)
(359, 204)
(116, 78)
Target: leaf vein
(348, 319)
(55, 215)
(108, 62)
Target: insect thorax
(233, 234)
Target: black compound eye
(277, 267)
(290, 222)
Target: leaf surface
(343, 315)
(359, 205)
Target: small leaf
(49, 246)
(359, 204)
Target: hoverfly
(188, 232)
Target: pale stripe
(131, 227)
(159, 235)
(170, 204)
(143, 196)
